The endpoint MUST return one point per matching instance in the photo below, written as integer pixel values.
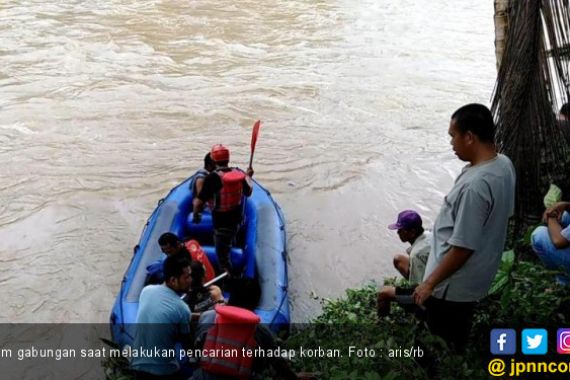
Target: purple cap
(407, 219)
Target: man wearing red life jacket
(224, 190)
(234, 327)
(191, 250)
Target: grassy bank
(524, 295)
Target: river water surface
(105, 105)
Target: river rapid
(107, 105)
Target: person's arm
(197, 207)
(452, 261)
(207, 192)
(247, 186)
(216, 297)
(554, 231)
(557, 209)
(199, 184)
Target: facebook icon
(503, 341)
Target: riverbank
(524, 295)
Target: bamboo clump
(532, 84)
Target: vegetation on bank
(524, 295)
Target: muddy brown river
(104, 106)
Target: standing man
(470, 230)
(224, 189)
(163, 319)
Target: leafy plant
(522, 295)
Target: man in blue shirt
(163, 319)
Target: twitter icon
(534, 341)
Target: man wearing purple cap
(412, 264)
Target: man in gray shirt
(470, 230)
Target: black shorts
(405, 298)
(404, 294)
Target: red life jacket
(198, 254)
(234, 329)
(230, 195)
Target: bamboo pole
(501, 26)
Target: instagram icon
(563, 341)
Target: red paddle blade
(254, 134)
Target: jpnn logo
(503, 341)
(534, 341)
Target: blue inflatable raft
(261, 253)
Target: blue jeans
(552, 257)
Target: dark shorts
(405, 298)
(402, 293)
(450, 320)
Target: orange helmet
(220, 153)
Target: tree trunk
(501, 26)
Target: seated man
(552, 242)
(412, 265)
(245, 293)
(171, 245)
(163, 319)
(200, 298)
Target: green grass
(524, 295)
